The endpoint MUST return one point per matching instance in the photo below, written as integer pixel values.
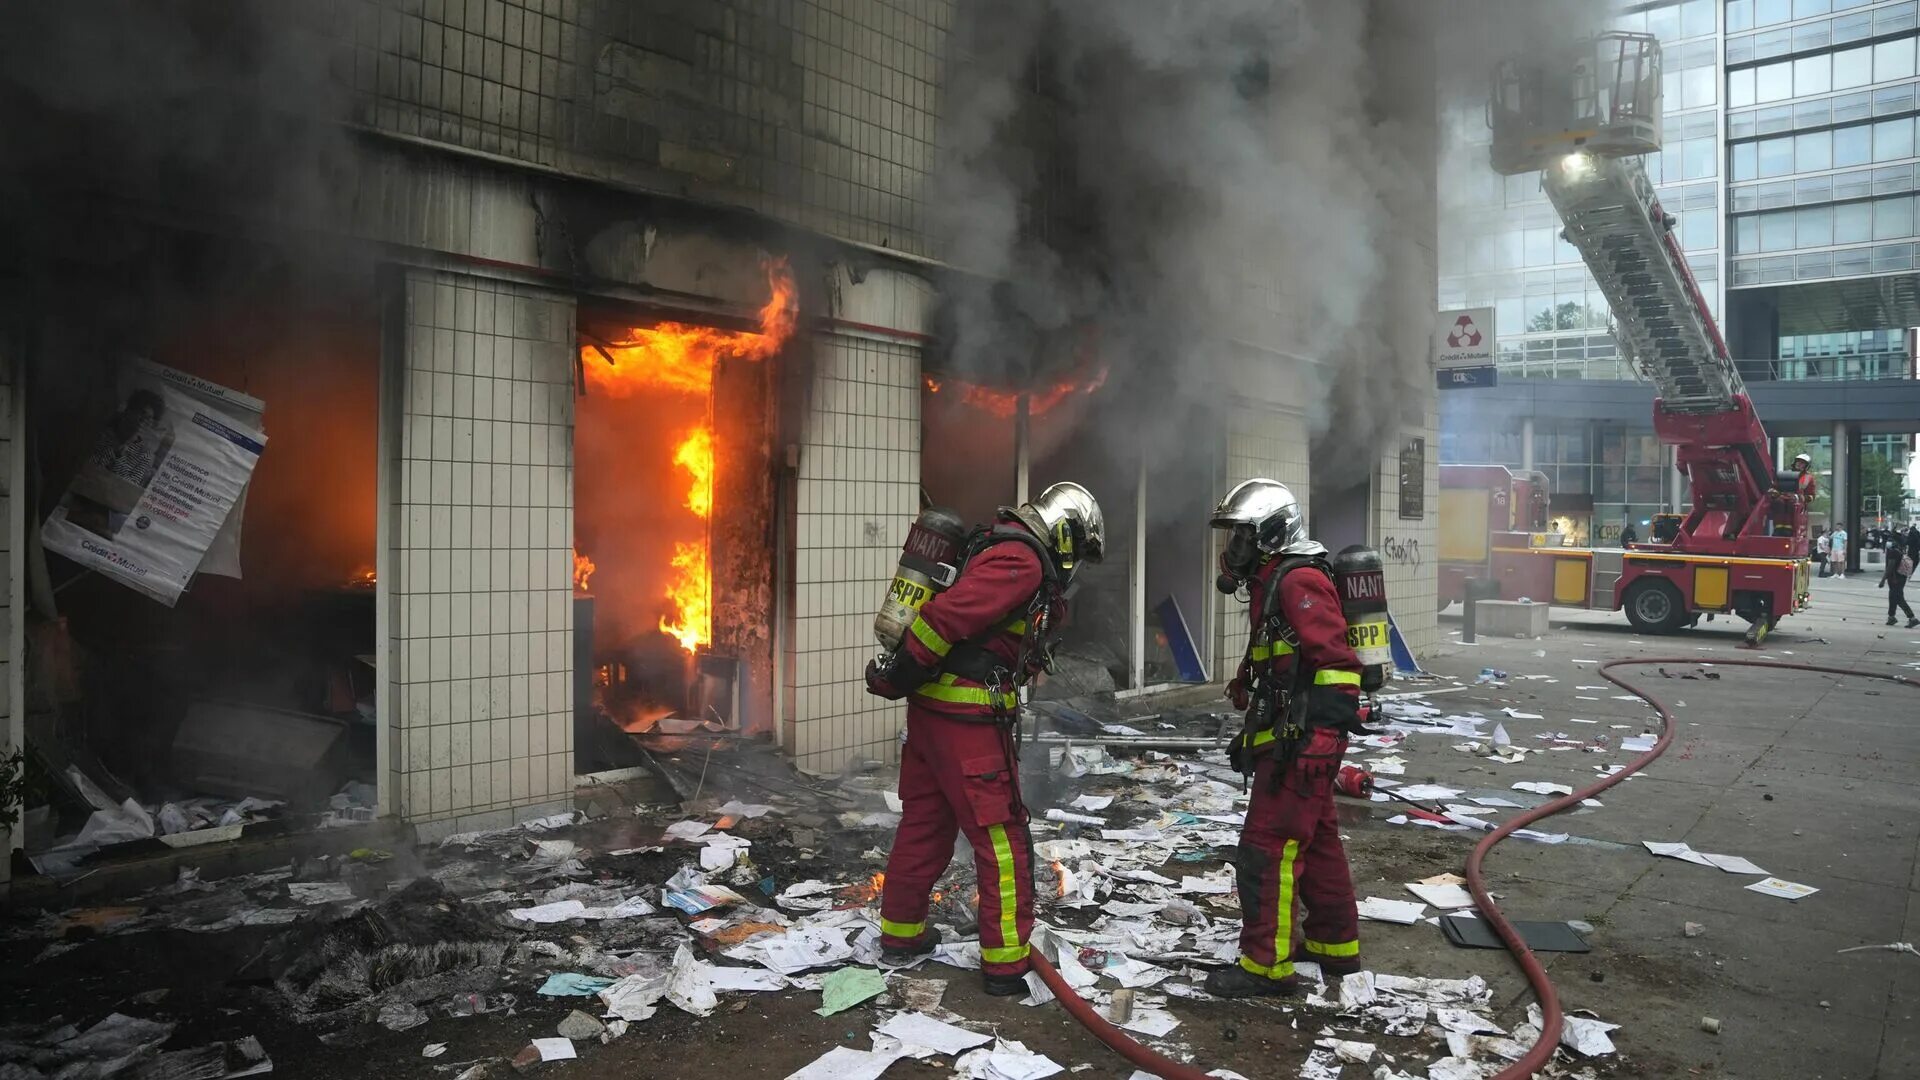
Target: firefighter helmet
(1804, 460)
(1068, 520)
(1266, 513)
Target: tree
(1879, 477)
(1571, 315)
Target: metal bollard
(1475, 590)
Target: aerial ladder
(1584, 117)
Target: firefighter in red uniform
(1300, 687)
(1808, 484)
(960, 667)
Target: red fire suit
(959, 769)
(1290, 845)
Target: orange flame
(1059, 879)
(583, 569)
(1004, 403)
(683, 357)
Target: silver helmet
(1069, 521)
(1266, 513)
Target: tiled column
(858, 490)
(1413, 560)
(1259, 443)
(481, 646)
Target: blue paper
(573, 984)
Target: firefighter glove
(896, 675)
(1237, 693)
(1333, 707)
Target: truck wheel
(1655, 607)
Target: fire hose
(1552, 1016)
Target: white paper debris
(559, 911)
(1057, 814)
(555, 1049)
(1093, 802)
(1786, 890)
(919, 1029)
(1404, 912)
(724, 978)
(687, 830)
(846, 1063)
(1518, 715)
(1676, 851)
(1733, 864)
(1320, 1065)
(1428, 791)
(1581, 1034)
(1445, 897)
(1638, 744)
(687, 986)
(1496, 801)
(1005, 1060)
(736, 808)
(1541, 787)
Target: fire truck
(1584, 117)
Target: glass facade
(1821, 150)
(1600, 474)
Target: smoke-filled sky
(1233, 172)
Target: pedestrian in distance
(1822, 545)
(1899, 568)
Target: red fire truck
(1583, 118)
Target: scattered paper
(916, 1029)
(1786, 890)
(1005, 1060)
(746, 979)
(960, 954)
(688, 988)
(1404, 912)
(1496, 801)
(847, 987)
(687, 830)
(635, 997)
(555, 1049)
(701, 898)
(1153, 1023)
(559, 911)
(1541, 787)
(736, 808)
(1093, 802)
(846, 1063)
(1518, 715)
(1444, 897)
(573, 984)
(1427, 791)
(1057, 814)
(1734, 864)
(1638, 744)
(1676, 851)
(1581, 1034)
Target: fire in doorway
(652, 455)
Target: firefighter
(1299, 685)
(1806, 483)
(960, 667)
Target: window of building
(1812, 75)
(1776, 156)
(1853, 67)
(1852, 146)
(1740, 87)
(1893, 139)
(1813, 152)
(1739, 15)
(1745, 161)
(1893, 218)
(1768, 12)
(1539, 247)
(1852, 222)
(1893, 60)
(1699, 157)
(1696, 230)
(1806, 9)
(1776, 231)
(1696, 17)
(1813, 227)
(1664, 22)
(1773, 82)
(1697, 87)
(1746, 235)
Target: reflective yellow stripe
(1015, 626)
(935, 644)
(1336, 678)
(943, 690)
(1321, 948)
(1278, 971)
(902, 929)
(1009, 903)
(1268, 652)
(1262, 738)
(1283, 914)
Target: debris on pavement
(847, 987)
(1786, 890)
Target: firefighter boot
(1333, 967)
(902, 955)
(1238, 982)
(1005, 985)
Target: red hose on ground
(1551, 1015)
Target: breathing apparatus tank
(927, 565)
(1361, 578)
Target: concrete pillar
(1022, 452)
(1137, 606)
(1841, 495)
(1526, 443)
(1676, 482)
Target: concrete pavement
(1809, 775)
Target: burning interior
(673, 516)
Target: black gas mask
(1239, 561)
